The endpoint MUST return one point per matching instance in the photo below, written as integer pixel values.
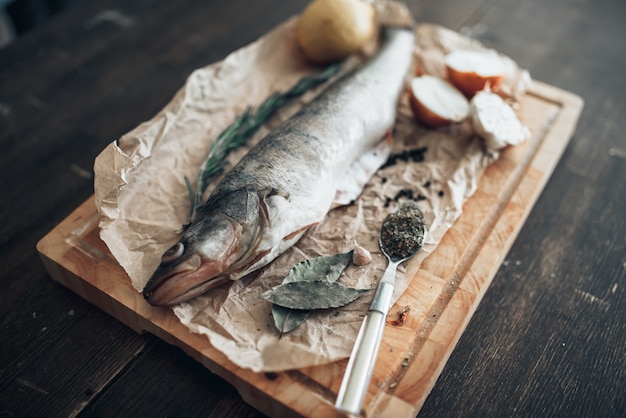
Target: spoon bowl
(402, 232)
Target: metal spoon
(401, 236)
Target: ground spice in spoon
(402, 232)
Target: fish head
(218, 240)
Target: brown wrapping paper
(143, 200)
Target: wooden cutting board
(442, 296)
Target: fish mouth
(189, 279)
(204, 258)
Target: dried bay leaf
(309, 295)
(286, 319)
(325, 268)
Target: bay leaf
(326, 268)
(286, 319)
(316, 294)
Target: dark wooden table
(548, 339)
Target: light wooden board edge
(289, 393)
(483, 260)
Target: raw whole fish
(288, 181)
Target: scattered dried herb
(402, 232)
(404, 194)
(415, 155)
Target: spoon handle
(365, 351)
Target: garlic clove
(495, 121)
(360, 255)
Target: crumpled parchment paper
(143, 200)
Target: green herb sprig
(245, 125)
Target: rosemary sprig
(245, 125)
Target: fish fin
(298, 231)
(272, 191)
(266, 193)
(356, 176)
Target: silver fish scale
(334, 130)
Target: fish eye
(173, 253)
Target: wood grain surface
(444, 293)
(548, 336)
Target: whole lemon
(330, 30)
